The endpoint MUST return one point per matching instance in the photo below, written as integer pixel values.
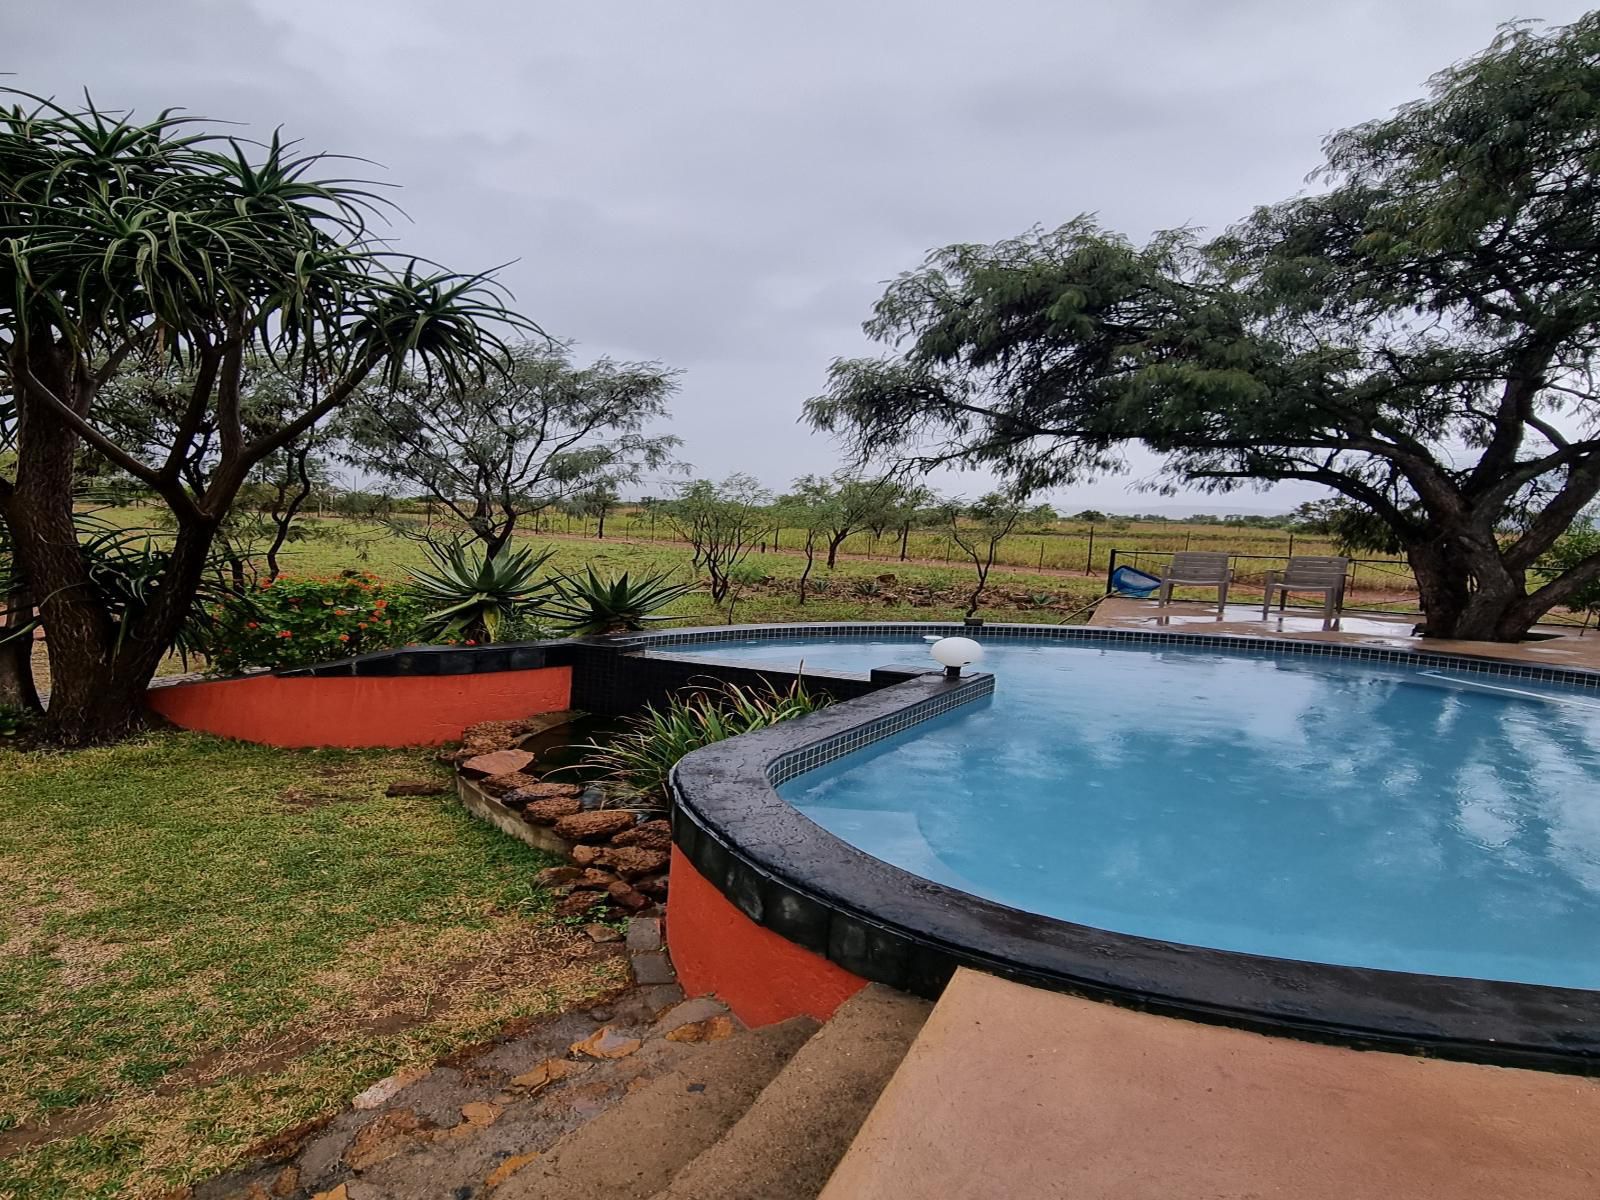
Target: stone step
(633, 1150)
(792, 1137)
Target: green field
(1039, 575)
(1067, 546)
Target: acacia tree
(978, 527)
(595, 501)
(1419, 338)
(167, 247)
(722, 522)
(809, 508)
(494, 451)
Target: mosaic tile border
(830, 749)
(1579, 677)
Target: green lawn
(203, 943)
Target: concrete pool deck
(1013, 1091)
(1570, 647)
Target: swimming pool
(1302, 807)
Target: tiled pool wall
(787, 875)
(612, 661)
(828, 749)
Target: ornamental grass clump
(652, 742)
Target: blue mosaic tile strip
(808, 758)
(1578, 677)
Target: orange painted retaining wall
(762, 977)
(338, 710)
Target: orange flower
(284, 633)
(381, 604)
(344, 637)
(361, 625)
(252, 625)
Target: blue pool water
(1312, 808)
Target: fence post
(1088, 563)
(1291, 543)
(1111, 569)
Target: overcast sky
(724, 185)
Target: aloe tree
(165, 245)
(587, 605)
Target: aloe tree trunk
(17, 688)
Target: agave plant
(652, 742)
(587, 604)
(475, 592)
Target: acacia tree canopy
(1418, 337)
(495, 450)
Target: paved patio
(1565, 646)
(1011, 1091)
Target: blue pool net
(1127, 581)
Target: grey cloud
(724, 185)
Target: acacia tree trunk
(811, 561)
(1469, 592)
(495, 541)
(286, 505)
(834, 542)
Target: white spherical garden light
(953, 653)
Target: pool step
(788, 1143)
(634, 1149)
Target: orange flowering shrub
(296, 622)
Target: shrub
(13, 721)
(289, 622)
(1575, 546)
(653, 741)
(523, 625)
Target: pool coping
(788, 874)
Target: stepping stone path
(468, 1127)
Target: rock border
(616, 855)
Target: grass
(335, 545)
(1070, 556)
(204, 943)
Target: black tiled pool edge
(789, 875)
